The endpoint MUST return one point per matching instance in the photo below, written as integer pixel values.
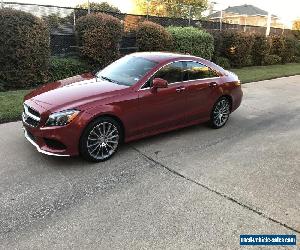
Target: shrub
(152, 37)
(248, 61)
(2, 87)
(193, 41)
(260, 49)
(24, 49)
(290, 50)
(237, 47)
(99, 36)
(61, 68)
(297, 59)
(223, 62)
(277, 44)
(272, 59)
(218, 41)
(284, 47)
(297, 49)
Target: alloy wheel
(221, 113)
(103, 140)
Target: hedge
(61, 68)
(223, 62)
(24, 49)
(286, 48)
(236, 46)
(290, 50)
(261, 48)
(193, 41)
(152, 37)
(272, 59)
(243, 49)
(99, 36)
(297, 48)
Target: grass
(11, 101)
(11, 105)
(259, 73)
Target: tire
(220, 113)
(101, 139)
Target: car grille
(31, 116)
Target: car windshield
(127, 71)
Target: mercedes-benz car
(139, 95)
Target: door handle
(213, 84)
(179, 89)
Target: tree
(81, 9)
(54, 20)
(296, 24)
(103, 6)
(172, 8)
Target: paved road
(195, 188)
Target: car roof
(162, 56)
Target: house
(245, 15)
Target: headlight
(62, 118)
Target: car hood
(74, 95)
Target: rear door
(201, 88)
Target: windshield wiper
(108, 79)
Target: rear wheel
(220, 113)
(101, 139)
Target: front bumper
(38, 147)
(68, 136)
(54, 140)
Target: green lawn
(259, 73)
(11, 105)
(11, 101)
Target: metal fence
(62, 25)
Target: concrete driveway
(196, 188)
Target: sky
(287, 10)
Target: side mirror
(158, 83)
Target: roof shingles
(245, 9)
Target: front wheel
(220, 113)
(101, 139)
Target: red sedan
(139, 95)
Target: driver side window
(171, 72)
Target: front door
(165, 107)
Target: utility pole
(245, 23)
(190, 14)
(74, 19)
(221, 17)
(268, 24)
(89, 7)
(148, 5)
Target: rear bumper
(237, 96)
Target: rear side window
(195, 71)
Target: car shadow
(171, 134)
(78, 162)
